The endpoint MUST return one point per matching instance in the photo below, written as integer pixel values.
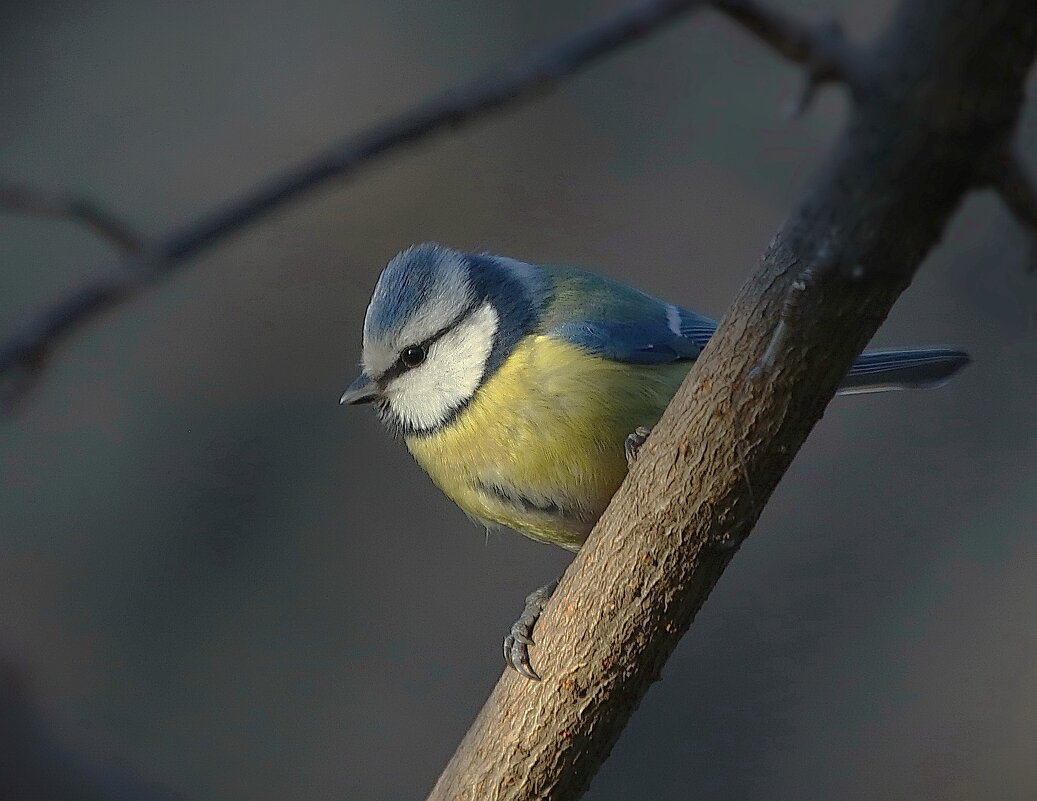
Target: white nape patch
(529, 275)
(673, 318)
(424, 397)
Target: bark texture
(933, 100)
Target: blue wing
(617, 322)
(645, 342)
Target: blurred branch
(24, 354)
(24, 199)
(822, 50)
(1012, 182)
(949, 91)
(534, 74)
(35, 766)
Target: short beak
(362, 390)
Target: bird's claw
(516, 655)
(518, 640)
(634, 442)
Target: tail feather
(913, 368)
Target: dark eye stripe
(399, 367)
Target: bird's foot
(634, 443)
(516, 644)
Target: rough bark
(939, 93)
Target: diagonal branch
(530, 76)
(24, 199)
(895, 177)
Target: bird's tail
(912, 368)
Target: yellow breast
(539, 448)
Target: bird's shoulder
(616, 321)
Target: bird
(524, 390)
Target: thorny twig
(822, 50)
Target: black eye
(413, 356)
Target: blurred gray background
(213, 575)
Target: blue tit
(516, 385)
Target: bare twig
(536, 73)
(28, 347)
(24, 199)
(822, 50)
(1010, 178)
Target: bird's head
(439, 324)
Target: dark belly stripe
(512, 497)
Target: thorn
(826, 62)
(799, 105)
(1010, 179)
(822, 50)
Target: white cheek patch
(424, 397)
